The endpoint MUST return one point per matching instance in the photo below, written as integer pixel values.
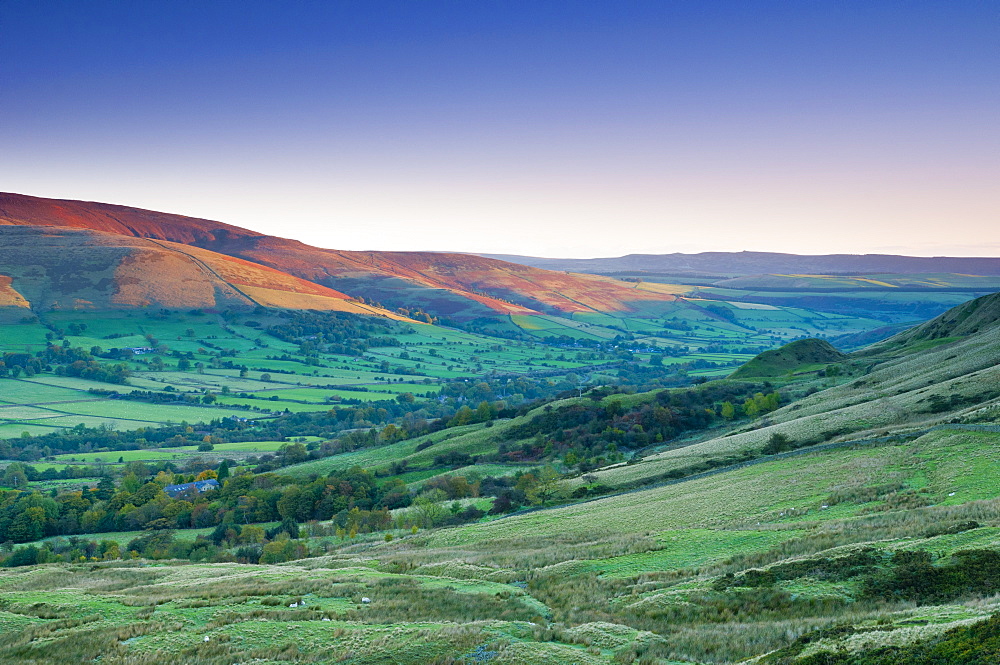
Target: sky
(546, 128)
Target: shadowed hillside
(975, 316)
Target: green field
(168, 453)
(717, 326)
(426, 356)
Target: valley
(210, 455)
(499, 333)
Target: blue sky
(548, 128)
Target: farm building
(174, 491)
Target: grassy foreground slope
(633, 578)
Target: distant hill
(975, 316)
(788, 358)
(459, 286)
(735, 264)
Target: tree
(14, 476)
(130, 483)
(294, 453)
(224, 470)
(28, 526)
(728, 411)
(778, 443)
(428, 509)
(548, 486)
(251, 534)
(484, 412)
(105, 488)
(146, 493)
(164, 478)
(463, 416)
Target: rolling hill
(735, 264)
(172, 261)
(789, 358)
(941, 372)
(979, 315)
(47, 269)
(458, 286)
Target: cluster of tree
(17, 475)
(334, 332)
(228, 543)
(13, 364)
(64, 360)
(353, 501)
(136, 504)
(525, 488)
(74, 550)
(151, 396)
(95, 371)
(585, 434)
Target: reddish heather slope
(47, 268)
(462, 286)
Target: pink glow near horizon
(583, 133)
